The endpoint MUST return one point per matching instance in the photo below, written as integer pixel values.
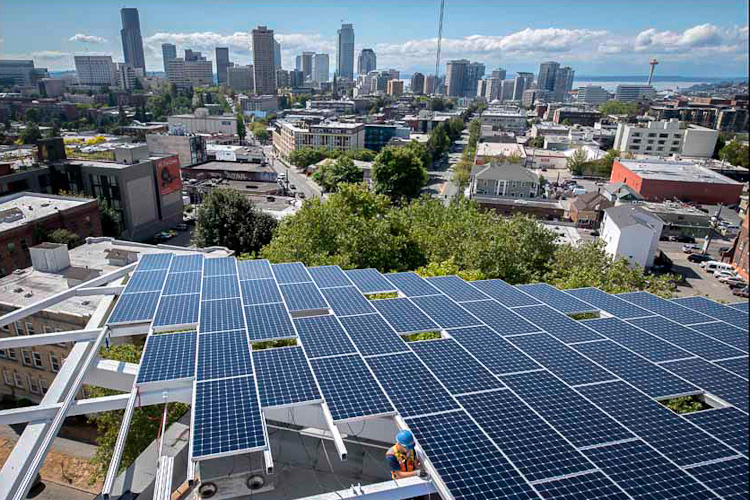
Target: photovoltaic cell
(728, 424)
(182, 283)
(145, 281)
(724, 332)
(177, 310)
(411, 284)
(220, 315)
(223, 354)
(220, 287)
(404, 316)
(219, 266)
(499, 318)
(328, 276)
(613, 305)
(372, 335)
(675, 312)
(186, 263)
(134, 308)
(504, 293)
(168, 357)
(562, 327)
(456, 288)
(649, 346)
(254, 269)
(260, 291)
(728, 386)
(302, 297)
(369, 281)
(445, 312)
(493, 351)
(347, 300)
(323, 336)
(557, 299)
(153, 261)
(290, 272)
(268, 322)
(593, 486)
(715, 310)
(742, 306)
(728, 479)
(284, 377)
(737, 366)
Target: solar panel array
(516, 400)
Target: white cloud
(705, 38)
(80, 37)
(2, 40)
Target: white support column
(48, 338)
(114, 463)
(335, 434)
(100, 290)
(268, 459)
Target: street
(301, 183)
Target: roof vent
(19, 272)
(17, 289)
(86, 302)
(28, 294)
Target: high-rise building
(499, 73)
(482, 87)
(493, 88)
(417, 83)
(455, 74)
(240, 78)
(395, 87)
(95, 70)
(320, 68)
(592, 94)
(506, 90)
(547, 75)
(394, 74)
(168, 52)
(563, 83)
(367, 61)
(190, 71)
(20, 72)
(522, 82)
(305, 64)
(125, 76)
(296, 78)
(474, 73)
(345, 52)
(277, 54)
(132, 43)
(222, 64)
(282, 78)
(265, 71)
(430, 84)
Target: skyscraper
(320, 68)
(499, 73)
(522, 82)
(455, 74)
(168, 52)
(305, 64)
(547, 75)
(222, 64)
(132, 43)
(430, 84)
(417, 83)
(277, 54)
(563, 83)
(263, 67)
(345, 52)
(367, 61)
(474, 73)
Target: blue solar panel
(675, 312)
(456, 288)
(146, 281)
(369, 281)
(715, 310)
(555, 298)
(284, 377)
(411, 284)
(290, 272)
(613, 305)
(646, 376)
(560, 359)
(562, 327)
(728, 479)
(226, 418)
(328, 276)
(649, 346)
(499, 318)
(254, 269)
(220, 287)
(153, 261)
(186, 263)
(302, 297)
(177, 310)
(720, 382)
(268, 322)
(468, 463)
(220, 315)
(168, 357)
(372, 335)
(531, 444)
(504, 293)
(323, 336)
(736, 337)
(738, 366)
(404, 316)
(728, 424)
(260, 291)
(223, 354)
(134, 308)
(593, 486)
(349, 388)
(688, 339)
(421, 395)
(573, 416)
(347, 300)
(645, 474)
(219, 266)
(656, 424)
(445, 312)
(742, 306)
(454, 367)
(181, 283)
(493, 351)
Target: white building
(95, 70)
(593, 94)
(335, 136)
(192, 73)
(202, 123)
(665, 138)
(320, 68)
(629, 93)
(630, 232)
(505, 120)
(699, 141)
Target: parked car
(685, 238)
(724, 274)
(734, 286)
(689, 247)
(741, 292)
(698, 257)
(723, 250)
(732, 279)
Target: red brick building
(660, 180)
(740, 253)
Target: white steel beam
(48, 338)
(100, 290)
(410, 487)
(114, 463)
(335, 434)
(110, 374)
(268, 458)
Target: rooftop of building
(500, 148)
(520, 202)
(23, 208)
(674, 170)
(631, 215)
(504, 171)
(231, 166)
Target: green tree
(361, 154)
(227, 218)
(618, 108)
(536, 142)
(567, 122)
(398, 172)
(32, 115)
(122, 119)
(55, 130)
(304, 157)
(438, 143)
(448, 268)
(65, 237)
(110, 219)
(720, 143)
(111, 99)
(334, 172)
(259, 131)
(241, 130)
(30, 134)
(736, 154)
(577, 161)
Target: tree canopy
(618, 108)
(736, 153)
(304, 157)
(398, 172)
(334, 172)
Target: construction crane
(440, 40)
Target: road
(300, 181)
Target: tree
(736, 154)
(398, 172)
(577, 161)
(32, 115)
(111, 99)
(304, 157)
(259, 131)
(110, 219)
(619, 108)
(241, 131)
(122, 119)
(720, 143)
(438, 142)
(334, 172)
(65, 237)
(361, 154)
(227, 218)
(537, 142)
(30, 134)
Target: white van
(714, 265)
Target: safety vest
(407, 461)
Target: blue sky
(689, 37)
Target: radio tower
(653, 63)
(440, 40)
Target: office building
(132, 43)
(417, 83)
(95, 70)
(474, 73)
(200, 122)
(20, 72)
(190, 149)
(522, 82)
(455, 74)
(547, 75)
(296, 78)
(534, 96)
(222, 64)
(52, 87)
(631, 93)
(367, 61)
(575, 116)
(241, 78)
(499, 73)
(276, 54)
(378, 135)
(593, 95)
(430, 84)
(320, 68)
(506, 90)
(482, 87)
(282, 79)
(125, 76)
(563, 83)
(345, 52)
(394, 74)
(190, 71)
(666, 138)
(263, 103)
(168, 52)
(395, 87)
(263, 66)
(288, 137)
(304, 63)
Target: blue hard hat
(405, 438)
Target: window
(26, 357)
(8, 378)
(3, 354)
(11, 247)
(43, 386)
(18, 379)
(37, 359)
(47, 329)
(6, 328)
(12, 355)
(34, 386)
(19, 328)
(30, 329)
(54, 363)
(24, 244)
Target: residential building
(587, 209)
(631, 93)
(522, 82)
(190, 149)
(95, 70)
(576, 116)
(345, 52)
(168, 52)
(665, 138)
(563, 83)
(222, 64)
(264, 77)
(510, 121)
(335, 136)
(455, 74)
(241, 78)
(505, 180)
(532, 97)
(474, 73)
(132, 43)
(20, 72)
(482, 87)
(320, 73)
(499, 73)
(125, 76)
(276, 54)
(395, 87)
(506, 90)
(296, 78)
(394, 74)
(547, 75)
(492, 89)
(630, 232)
(699, 141)
(367, 61)
(338, 106)
(740, 251)
(593, 95)
(417, 83)
(430, 84)
(619, 192)
(200, 122)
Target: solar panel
(223, 355)
(220, 287)
(260, 291)
(421, 395)
(347, 300)
(675, 312)
(369, 281)
(493, 351)
(177, 310)
(349, 388)
(302, 297)
(613, 305)
(656, 424)
(591, 486)
(404, 316)
(649, 346)
(372, 335)
(219, 267)
(468, 463)
(445, 312)
(323, 336)
(134, 308)
(290, 272)
(254, 269)
(186, 263)
(715, 310)
(220, 315)
(643, 473)
(167, 357)
(181, 283)
(720, 382)
(454, 367)
(153, 261)
(562, 327)
(328, 276)
(226, 418)
(742, 306)
(533, 446)
(284, 377)
(560, 359)
(728, 424)
(567, 411)
(724, 332)
(268, 322)
(646, 376)
(728, 479)
(145, 281)
(688, 339)
(499, 318)
(456, 288)
(735, 365)
(557, 299)
(506, 294)
(411, 284)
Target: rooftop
(631, 215)
(19, 209)
(676, 171)
(500, 148)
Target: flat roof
(230, 166)
(497, 148)
(676, 171)
(19, 209)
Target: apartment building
(201, 122)
(503, 180)
(665, 138)
(288, 137)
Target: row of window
(32, 359)
(15, 379)
(27, 328)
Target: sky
(695, 38)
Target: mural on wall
(168, 174)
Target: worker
(402, 458)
